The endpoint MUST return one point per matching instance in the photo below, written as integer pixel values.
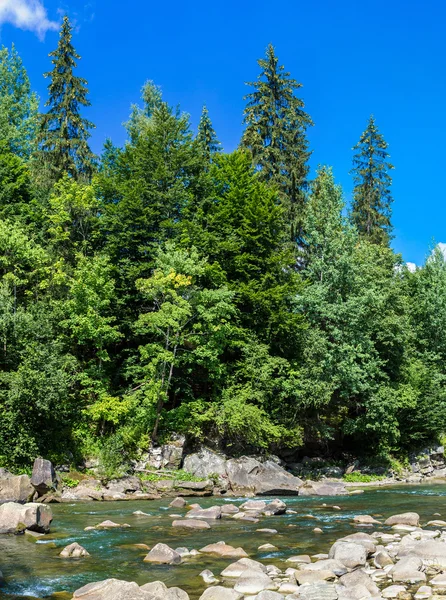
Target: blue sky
(353, 58)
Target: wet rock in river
(224, 550)
(161, 592)
(74, 550)
(15, 518)
(178, 503)
(163, 554)
(253, 582)
(190, 524)
(410, 518)
(365, 520)
(219, 592)
(349, 554)
(208, 577)
(111, 525)
(112, 589)
(241, 566)
(212, 513)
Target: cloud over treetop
(30, 15)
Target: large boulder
(15, 518)
(408, 570)
(242, 566)
(253, 582)
(247, 474)
(191, 524)
(211, 513)
(44, 476)
(15, 488)
(349, 554)
(431, 552)
(163, 554)
(74, 550)
(205, 463)
(112, 589)
(323, 488)
(410, 518)
(218, 592)
(160, 591)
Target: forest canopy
(166, 286)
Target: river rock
(410, 518)
(323, 488)
(218, 592)
(431, 552)
(110, 525)
(82, 493)
(241, 566)
(359, 578)
(382, 559)
(306, 577)
(275, 507)
(163, 554)
(205, 463)
(253, 505)
(15, 488)
(329, 564)
(349, 554)
(212, 513)
(229, 509)
(318, 591)
(408, 570)
(43, 477)
(266, 547)
(160, 591)
(253, 582)
(392, 591)
(208, 577)
(15, 518)
(363, 539)
(74, 550)
(191, 524)
(268, 595)
(300, 559)
(178, 502)
(247, 474)
(112, 589)
(224, 550)
(365, 520)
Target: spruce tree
(207, 136)
(275, 133)
(64, 132)
(372, 199)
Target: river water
(34, 569)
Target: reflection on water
(34, 570)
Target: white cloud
(26, 14)
(442, 247)
(412, 267)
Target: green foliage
(358, 477)
(177, 289)
(64, 133)
(372, 199)
(275, 133)
(18, 106)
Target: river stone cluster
(403, 561)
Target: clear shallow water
(34, 570)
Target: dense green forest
(166, 286)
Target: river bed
(34, 569)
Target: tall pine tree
(275, 133)
(64, 132)
(207, 136)
(372, 199)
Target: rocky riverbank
(209, 473)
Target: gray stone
(350, 554)
(15, 488)
(208, 577)
(112, 589)
(247, 474)
(318, 591)
(205, 463)
(268, 595)
(410, 518)
(163, 554)
(363, 539)
(74, 550)
(329, 564)
(241, 566)
(219, 592)
(212, 513)
(160, 591)
(323, 488)
(15, 518)
(392, 591)
(275, 507)
(304, 577)
(229, 509)
(431, 552)
(253, 582)
(358, 577)
(224, 550)
(190, 524)
(178, 503)
(43, 477)
(256, 505)
(365, 520)
(382, 559)
(408, 570)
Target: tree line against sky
(167, 287)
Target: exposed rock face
(44, 477)
(15, 488)
(205, 463)
(323, 488)
(163, 554)
(112, 589)
(74, 550)
(15, 518)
